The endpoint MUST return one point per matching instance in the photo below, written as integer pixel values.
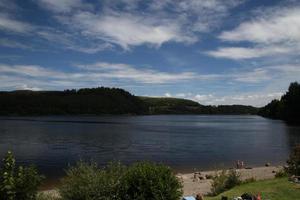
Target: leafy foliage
(148, 181)
(138, 182)
(18, 184)
(288, 108)
(293, 167)
(281, 173)
(86, 181)
(225, 181)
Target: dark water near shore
(184, 142)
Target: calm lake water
(184, 142)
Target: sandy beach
(195, 183)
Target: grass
(275, 189)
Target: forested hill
(97, 101)
(287, 108)
(164, 105)
(70, 102)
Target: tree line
(103, 100)
(287, 108)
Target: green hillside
(102, 100)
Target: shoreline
(196, 182)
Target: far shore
(197, 182)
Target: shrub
(225, 181)
(293, 163)
(141, 181)
(18, 183)
(281, 173)
(86, 181)
(148, 181)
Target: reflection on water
(184, 142)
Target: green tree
(18, 183)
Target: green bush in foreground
(115, 182)
(18, 183)
(147, 181)
(86, 181)
(225, 181)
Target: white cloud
(61, 6)
(273, 32)
(125, 24)
(254, 76)
(124, 71)
(282, 25)
(13, 44)
(167, 94)
(68, 41)
(237, 53)
(203, 97)
(12, 25)
(129, 30)
(94, 74)
(26, 87)
(255, 99)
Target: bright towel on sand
(188, 198)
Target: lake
(185, 142)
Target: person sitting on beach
(199, 197)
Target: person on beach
(199, 197)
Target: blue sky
(210, 51)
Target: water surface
(184, 142)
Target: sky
(211, 51)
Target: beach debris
(268, 164)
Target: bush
(86, 181)
(225, 181)
(18, 184)
(293, 164)
(148, 181)
(281, 173)
(116, 182)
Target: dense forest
(84, 101)
(103, 100)
(287, 108)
